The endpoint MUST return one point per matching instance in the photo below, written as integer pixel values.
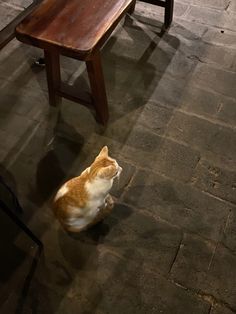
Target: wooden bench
(77, 29)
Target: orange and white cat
(85, 200)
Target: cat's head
(104, 166)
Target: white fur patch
(62, 191)
(97, 190)
(77, 222)
(98, 187)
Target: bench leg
(97, 84)
(132, 8)
(52, 62)
(169, 7)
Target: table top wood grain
(77, 25)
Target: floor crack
(176, 253)
(194, 57)
(227, 6)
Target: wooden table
(77, 29)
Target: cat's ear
(107, 172)
(103, 152)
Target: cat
(85, 200)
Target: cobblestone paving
(170, 244)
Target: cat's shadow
(94, 235)
(98, 232)
(88, 253)
(81, 250)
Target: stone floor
(170, 244)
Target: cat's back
(71, 193)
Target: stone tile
(142, 233)
(146, 149)
(180, 9)
(117, 130)
(211, 276)
(166, 299)
(206, 16)
(136, 292)
(21, 101)
(229, 235)
(76, 122)
(233, 66)
(181, 67)
(124, 180)
(146, 8)
(42, 299)
(7, 14)
(16, 67)
(220, 309)
(56, 164)
(220, 280)
(8, 141)
(212, 77)
(209, 104)
(9, 123)
(232, 6)
(153, 11)
(230, 22)
(130, 73)
(19, 246)
(147, 52)
(24, 149)
(155, 117)
(18, 3)
(30, 162)
(186, 30)
(191, 130)
(215, 142)
(131, 42)
(218, 4)
(175, 160)
(224, 38)
(192, 262)
(200, 101)
(214, 180)
(179, 204)
(169, 91)
(228, 111)
(211, 17)
(216, 155)
(141, 146)
(3, 155)
(193, 50)
(125, 238)
(95, 266)
(126, 234)
(23, 170)
(211, 54)
(157, 240)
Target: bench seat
(78, 29)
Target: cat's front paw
(109, 202)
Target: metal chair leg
(18, 222)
